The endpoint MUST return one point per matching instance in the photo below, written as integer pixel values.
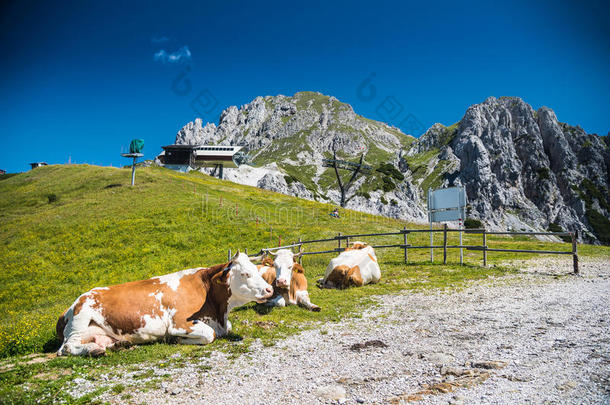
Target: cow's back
(369, 268)
(143, 310)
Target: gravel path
(526, 338)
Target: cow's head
(284, 262)
(357, 245)
(245, 281)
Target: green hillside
(69, 228)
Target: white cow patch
(155, 326)
(173, 279)
(217, 327)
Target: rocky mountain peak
(522, 169)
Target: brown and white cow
(355, 266)
(288, 280)
(192, 305)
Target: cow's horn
(259, 257)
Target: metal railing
(405, 246)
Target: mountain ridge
(522, 168)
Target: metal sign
(447, 204)
(444, 205)
(447, 215)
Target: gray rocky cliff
(522, 169)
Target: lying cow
(288, 280)
(192, 305)
(355, 266)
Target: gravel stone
(543, 338)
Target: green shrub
(555, 227)
(388, 184)
(588, 190)
(471, 223)
(543, 173)
(393, 202)
(390, 170)
(52, 198)
(383, 200)
(364, 194)
(600, 224)
(289, 179)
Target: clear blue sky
(81, 79)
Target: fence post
(246, 251)
(229, 255)
(461, 244)
(575, 251)
(404, 230)
(339, 240)
(444, 243)
(431, 240)
(484, 248)
(300, 246)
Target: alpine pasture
(69, 228)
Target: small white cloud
(182, 55)
(159, 40)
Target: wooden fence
(405, 246)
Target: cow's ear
(298, 268)
(223, 276)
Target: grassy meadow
(68, 228)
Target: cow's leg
(354, 277)
(200, 334)
(302, 298)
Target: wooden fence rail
(406, 246)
